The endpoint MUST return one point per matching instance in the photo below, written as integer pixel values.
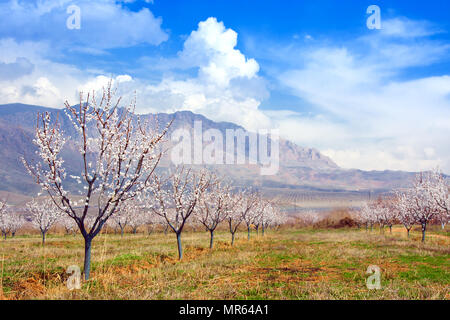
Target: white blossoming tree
(122, 218)
(44, 215)
(270, 216)
(386, 212)
(439, 190)
(213, 207)
(139, 217)
(16, 222)
(4, 220)
(248, 208)
(423, 206)
(10, 221)
(309, 217)
(175, 197)
(404, 209)
(259, 212)
(69, 224)
(234, 218)
(118, 154)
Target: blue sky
(369, 99)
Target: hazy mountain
(300, 167)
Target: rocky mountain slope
(300, 167)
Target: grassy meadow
(292, 263)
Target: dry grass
(284, 264)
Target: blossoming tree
(118, 154)
(44, 215)
(175, 197)
(214, 207)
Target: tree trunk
(248, 233)
(43, 238)
(121, 232)
(211, 239)
(390, 229)
(4, 235)
(408, 232)
(424, 229)
(232, 239)
(262, 230)
(87, 257)
(180, 249)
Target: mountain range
(301, 168)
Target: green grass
(285, 264)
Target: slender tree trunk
(43, 238)
(121, 232)
(4, 235)
(13, 234)
(262, 230)
(390, 229)
(257, 230)
(232, 238)
(87, 257)
(211, 239)
(248, 233)
(180, 249)
(424, 229)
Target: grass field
(284, 264)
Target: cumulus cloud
(47, 83)
(97, 83)
(211, 48)
(104, 24)
(14, 70)
(226, 85)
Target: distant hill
(300, 167)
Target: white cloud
(405, 28)
(99, 82)
(374, 118)
(105, 24)
(17, 69)
(48, 84)
(226, 87)
(212, 49)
